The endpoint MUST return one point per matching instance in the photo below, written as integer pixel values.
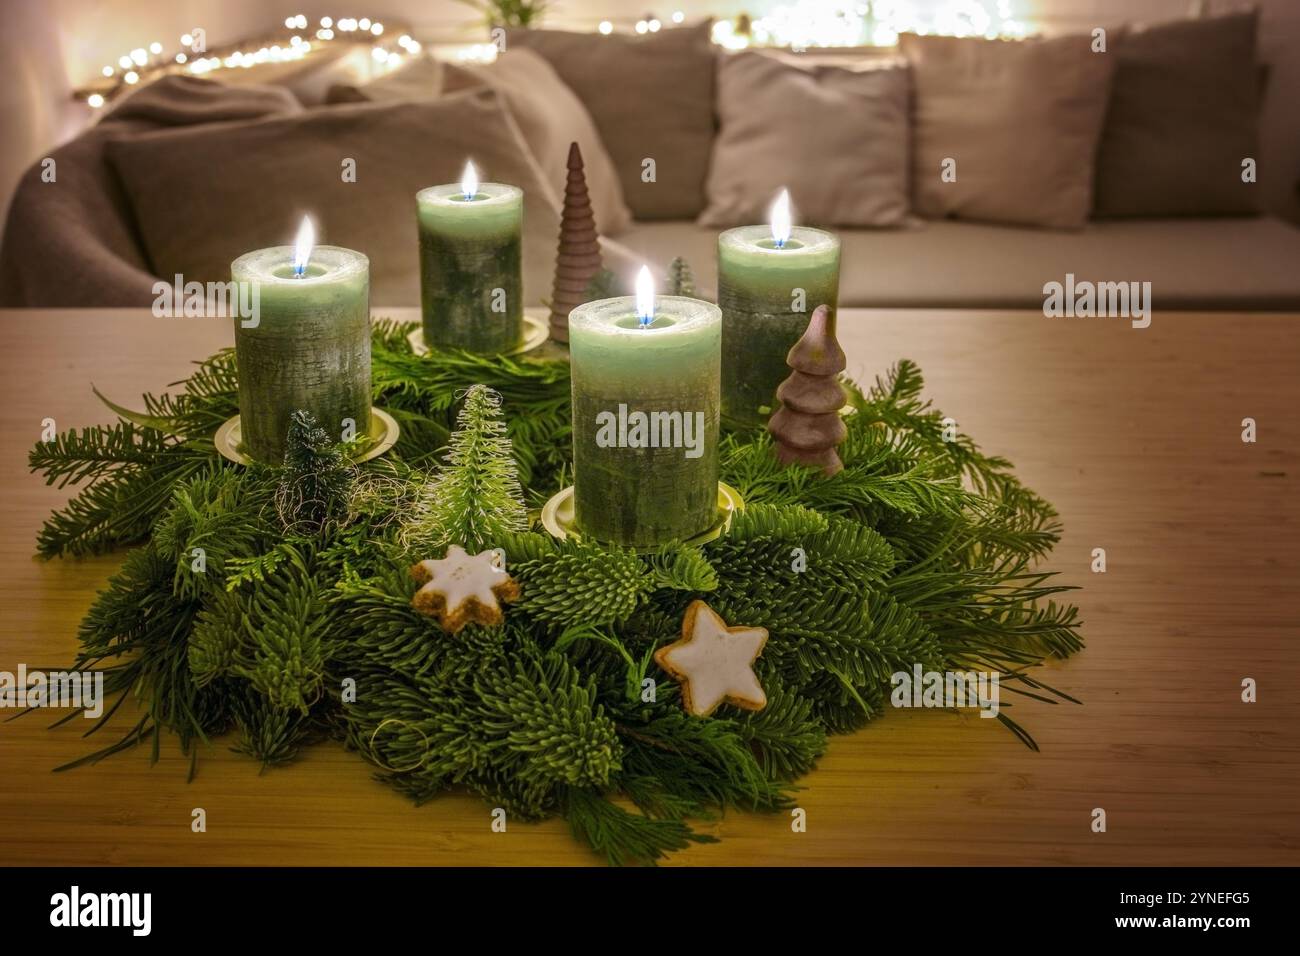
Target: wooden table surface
(1134, 434)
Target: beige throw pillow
(651, 97)
(206, 194)
(1184, 112)
(836, 138)
(551, 117)
(1006, 130)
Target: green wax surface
(310, 348)
(469, 249)
(756, 283)
(645, 496)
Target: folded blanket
(73, 242)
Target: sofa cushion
(551, 117)
(204, 195)
(651, 97)
(836, 138)
(1184, 110)
(1206, 264)
(1014, 124)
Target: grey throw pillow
(651, 97)
(836, 138)
(1006, 130)
(1184, 113)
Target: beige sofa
(1192, 264)
(91, 240)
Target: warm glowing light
(377, 29)
(132, 77)
(364, 23)
(469, 181)
(302, 246)
(477, 53)
(678, 16)
(654, 26)
(107, 71)
(124, 62)
(95, 101)
(139, 56)
(187, 40)
(725, 36)
(645, 297)
(642, 26)
(781, 219)
(181, 58)
(379, 53)
(289, 22)
(326, 22)
(155, 47)
(606, 27)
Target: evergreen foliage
(227, 619)
(315, 480)
(476, 499)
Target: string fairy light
(797, 24)
(143, 64)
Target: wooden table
(1134, 434)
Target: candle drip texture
(471, 268)
(645, 420)
(765, 294)
(309, 351)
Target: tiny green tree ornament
(477, 499)
(807, 427)
(577, 260)
(681, 281)
(315, 480)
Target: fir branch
(625, 838)
(477, 499)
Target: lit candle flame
(302, 246)
(469, 181)
(645, 297)
(781, 219)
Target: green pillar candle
(645, 419)
(759, 283)
(471, 265)
(309, 347)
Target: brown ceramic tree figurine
(578, 259)
(807, 427)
